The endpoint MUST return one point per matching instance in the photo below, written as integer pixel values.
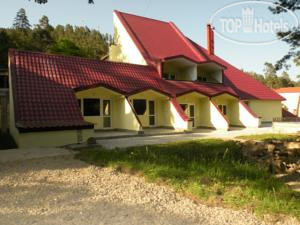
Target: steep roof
(44, 86)
(288, 90)
(157, 39)
(160, 40)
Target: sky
(190, 16)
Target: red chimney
(210, 40)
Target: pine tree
(44, 22)
(21, 21)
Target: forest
(43, 37)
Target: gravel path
(61, 190)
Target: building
(155, 77)
(292, 99)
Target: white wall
(176, 120)
(246, 118)
(291, 101)
(217, 118)
(125, 50)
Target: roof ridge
(148, 18)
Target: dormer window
(202, 79)
(169, 76)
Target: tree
(66, 47)
(44, 23)
(21, 21)
(294, 39)
(5, 44)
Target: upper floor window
(202, 79)
(169, 76)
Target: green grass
(6, 141)
(268, 137)
(210, 170)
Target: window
(223, 109)
(106, 114)
(91, 107)
(184, 107)
(3, 81)
(202, 79)
(169, 76)
(139, 106)
(151, 113)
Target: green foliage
(66, 40)
(4, 46)
(21, 21)
(66, 47)
(293, 40)
(267, 137)
(272, 80)
(210, 170)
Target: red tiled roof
(44, 86)
(157, 39)
(288, 90)
(207, 89)
(160, 40)
(286, 113)
(245, 85)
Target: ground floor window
(106, 113)
(223, 109)
(140, 106)
(151, 113)
(91, 107)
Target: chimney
(210, 40)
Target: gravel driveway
(61, 190)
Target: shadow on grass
(209, 169)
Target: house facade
(154, 77)
(292, 99)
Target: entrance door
(106, 114)
(151, 113)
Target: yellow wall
(267, 110)
(125, 117)
(232, 107)
(176, 120)
(102, 94)
(217, 118)
(197, 100)
(160, 102)
(52, 138)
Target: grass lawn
(267, 137)
(210, 170)
(6, 141)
